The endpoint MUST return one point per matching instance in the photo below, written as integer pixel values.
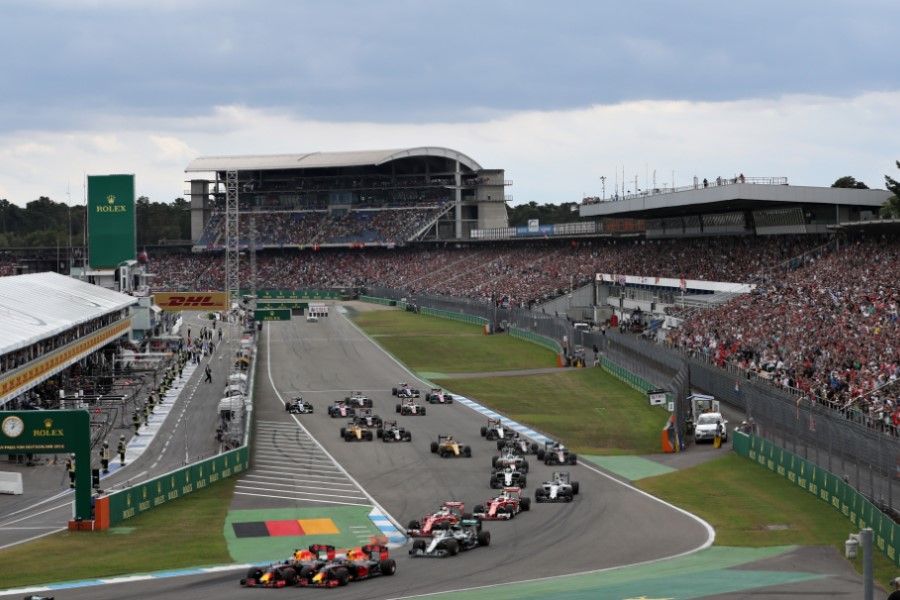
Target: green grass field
(432, 344)
(589, 409)
(749, 505)
(186, 533)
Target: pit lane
(610, 524)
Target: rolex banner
(111, 220)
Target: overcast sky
(556, 93)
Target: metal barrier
(827, 486)
(376, 300)
(536, 338)
(454, 316)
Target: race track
(609, 524)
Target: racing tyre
(369, 437)
(574, 487)
(343, 432)
(522, 481)
(467, 452)
(494, 461)
(493, 483)
(573, 459)
(452, 547)
(422, 411)
(540, 454)
(393, 391)
(289, 574)
(287, 407)
(569, 497)
(534, 448)
(500, 444)
(538, 495)
(484, 538)
(434, 447)
(441, 525)
(380, 433)
(342, 576)
(525, 504)
(408, 437)
(414, 525)
(419, 545)
(484, 432)
(388, 567)
(254, 573)
(478, 509)
(398, 408)
(449, 400)
(524, 466)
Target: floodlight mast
(232, 239)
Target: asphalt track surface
(610, 524)
(187, 435)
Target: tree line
(46, 223)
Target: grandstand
(339, 199)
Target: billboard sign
(206, 301)
(111, 220)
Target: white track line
(303, 499)
(375, 502)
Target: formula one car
(560, 488)
(446, 446)
(284, 574)
(504, 507)
(508, 458)
(356, 432)
(410, 407)
(517, 444)
(364, 562)
(507, 477)
(495, 430)
(365, 418)
(438, 396)
(450, 513)
(554, 453)
(403, 390)
(391, 432)
(299, 406)
(465, 535)
(341, 409)
(358, 400)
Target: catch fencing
(827, 486)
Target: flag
(682, 283)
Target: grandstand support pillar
(232, 238)
(253, 259)
(457, 198)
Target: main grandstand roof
(36, 306)
(321, 160)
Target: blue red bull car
(288, 573)
(364, 562)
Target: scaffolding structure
(232, 238)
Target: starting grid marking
(288, 465)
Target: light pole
(603, 187)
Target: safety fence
(115, 507)
(453, 316)
(376, 300)
(535, 338)
(827, 486)
(635, 381)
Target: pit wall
(827, 486)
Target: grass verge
(589, 409)
(432, 344)
(749, 505)
(180, 534)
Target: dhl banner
(175, 301)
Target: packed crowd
(308, 228)
(829, 329)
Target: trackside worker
(104, 457)
(70, 467)
(146, 414)
(136, 421)
(121, 450)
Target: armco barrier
(638, 383)
(375, 300)
(454, 316)
(118, 506)
(827, 486)
(536, 338)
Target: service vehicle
(361, 563)
(356, 432)
(439, 396)
(403, 390)
(554, 453)
(462, 536)
(449, 513)
(503, 507)
(560, 488)
(391, 432)
(341, 409)
(507, 477)
(299, 406)
(409, 407)
(700, 404)
(446, 446)
(710, 424)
